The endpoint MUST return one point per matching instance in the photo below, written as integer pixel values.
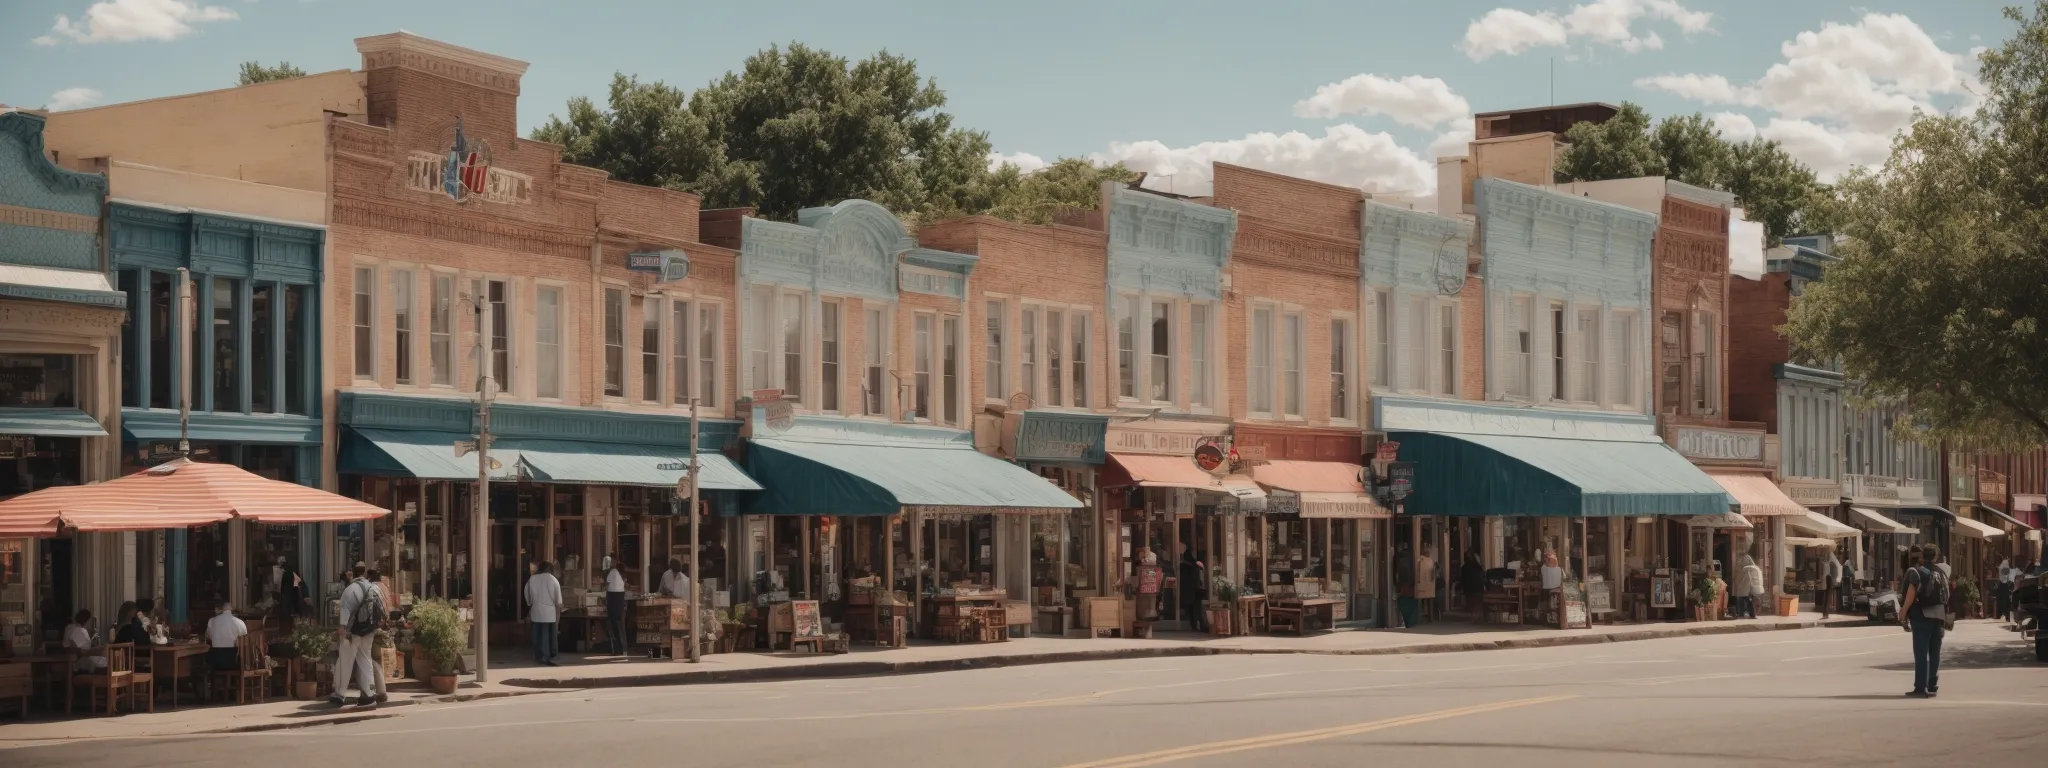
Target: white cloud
(1024, 161)
(122, 21)
(1829, 151)
(1507, 31)
(1734, 126)
(1422, 102)
(73, 98)
(1345, 154)
(1452, 143)
(1712, 89)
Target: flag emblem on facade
(468, 167)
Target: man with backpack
(362, 609)
(1926, 615)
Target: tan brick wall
(1755, 310)
(1019, 263)
(1294, 204)
(1690, 255)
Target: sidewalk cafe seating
(118, 678)
(252, 673)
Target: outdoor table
(170, 663)
(58, 660)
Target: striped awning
(178, 494)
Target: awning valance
(822, 475)
(49, 422)
(419, 453)
(1808, 541)
(1328, 489)
(1756, 495)
(71, 286)
(2005, 518)
(567, 461)
(1820, 525)
(1725, 520)
(1968, 528)
(1507, 475)
(1162, 472)
(1881, 524)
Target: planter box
(1788, 605)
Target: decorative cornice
(381, 214)
(147, 424)
(1268, 243)
(28, 128)
(949, 261)
(47, 219)
(410, 51)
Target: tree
(1068, 184)
(254, 72)
(1771, 187)
(1937, 303)
(646, 135)
(1692, 150)
(1619, 148)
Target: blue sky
(1362, 93)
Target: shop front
(1911, 515)
(1321, 531)
(1169, 492)
(1064, 552)
(1598, 496)
(573, 487)
(1736, 456)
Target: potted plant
(441, 636)
(1703, 595)
(1971, 596)
(312, 643)
(1223, 618)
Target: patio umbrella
(180, 493)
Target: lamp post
(696, 641)
(480, 513)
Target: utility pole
(479, 528)
(696, 641)
(184, 329)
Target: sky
(1362, 93)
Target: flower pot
(441, 684)
(306, 690)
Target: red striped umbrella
(180, 493)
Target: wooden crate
(1016, 612)
(1102, 612)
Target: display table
(174, 662)
(1301, 615)
(979, 617)
(1501, 605)
(1251, 609)
(878, 619)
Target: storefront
(60, 326)
(1064, 552)
(1320, 528)
(1158, 504)
(1912, 516)
(1734, 456)
(570, 486)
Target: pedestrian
(1472, 580)
(1404, 587)
(2002, 590)
(1832, 576)
(371, 667)
(1748, 584)
(361, 610)
(544, 611)
(88, 655)
(1194, 588)
(1425, 581)
(614, 606)
(1926, 616)
(291, 591)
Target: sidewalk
(513, 672)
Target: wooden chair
(17, 681)
(253, 671)
(117, 678)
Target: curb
(345, 716)
(876, 668)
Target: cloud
(1829, 151)
(1734, 126)
(1422, 102)
(1345, 154)
(1024, 161)
(122, 21)
(73, 98)
(1507, 31)
(1452, 143)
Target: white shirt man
(77, 637)
(224, 629)
(543, 598)
(359, 600)
(614, 581)
(675, 583)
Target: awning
(1805, 541)
(1329, 489)
(1968, 528)
(71, 286)
(1820, 525)
(180, 493)
(421, 454)
(49, 422)
(2008, 519)
(1470, 475)
(1756, 495)
(1881, 524)
(1164, 471)
(567, 461)
(1730, 520)
(1250, 497)
(837, 473)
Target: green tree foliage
(1692, 150)
(1071, 183)
(647, 136)
(1938, 301)
(1772, 187)
(254, 72)
(1617, 149)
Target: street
(1825, 695)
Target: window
(131, 350)
(614, 342)
(792, 317)
(921, 384)
(828, 356)
(1127, 346)
(401, 324)
(1671, 346)
(226, 345)
(365, 311)
(263, 348)
(1199, 342)
(547, 341)
(1587, 388)
(1077, 325)
(650, 349)
(709, 343)
(440, 341)
(1259, 389)
(1521, 347)
(164, 320)
(298, 335)
(759, 325)
(681, 367)
(1417, 357)
(949, 359)
(1290, 362)
(1054, 331)
(877, 356)
(1627, 376)
(1382, 339)
(1161, 347)
(1447, 349)
(1027, 331)
(994, 388)
(501, 333)
(1340, 368)
(1705, 379)
(1557, 364)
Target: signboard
(1212, 455)
(1571, 597)
(1400, 479)
(1154, 442)
(1279, 502)
(1719, 444)
(1249, 453)
(804, 619)
(1663, 592)
(1812, 493)
(1148, 579)
(1060, 437)
(1887, 490)
(1600, 597)
(466, 168)
(1388, 451)
(670, 264)
(1991, 487)
(780, 415)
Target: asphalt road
(1807, 697)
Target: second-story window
(1557, 350)
(440, 331)
(547, 341)
(949, 368)
(1078, 328)
(1201, 322)
(1587, 389)
(1127, 346)
(1027, 339)
(993, 359)
(501, 333)
(1159, 345)
(681, 367)
(1447, 349)
(650, 349)
(828, 356)
(1417, 357)
(875, 385)
(262, 341)
(226, 347)
(1340, 368)
(921, 370)
(402, 324)
(1259, 375)
(1055, 330)
(1627, 378)
(1382, 339)
(1703, 398)
(710, 338)
(792, 344)
(1671, 346)
(614, 342)
(1521, 347)
(1291, 354)
(364, 313)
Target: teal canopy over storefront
(49, 422)
(1476, 475)
(839, 467)
(562, 461)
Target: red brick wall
(1690, 256)
(1297, 269)
(1756, 308)
(1295, 204)
(1054, 265)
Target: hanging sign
(1212, 455)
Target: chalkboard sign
(1663, 593)
(1572, 605)
(805, 620)
(1600, 597)
(1148, 579)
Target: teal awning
(1506, 475)
(49, 422)
(566, 461)
(826, 476)
(418, 453)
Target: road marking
(1213, 749)
(1828, 656)
(1138, 671)
(1337, 690)
(1648, 681)
(1823, 640)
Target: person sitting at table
(128, 625)
(78, 639)
(222, 632)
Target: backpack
(1932, 589)
(364, 621)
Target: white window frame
(1447, 383)
(656, 357)
(560, 365)
(1521, 348)
(1259, 376)
(1129, 388)
(604, 343)
(956, 389)
(442, 311)
(1293, 403)
(1081, 343)
(712, 309)
(878, 389)
(1589, 362)
(678, 358)
(1344, 373)
(1557, 317)
(995, 349)
(1625, 327)
(924, 360)
(405, 322)
(1203, 357)
(363, 328)
(1419, 339)
(1380, 308)
(1030, 350)
(1167, 394)
(806, 337)
(835, 384)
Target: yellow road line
(1213, 749)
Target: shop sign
(671, 264)
(776, 409)
(1883, 489)
(804, 619)
(1249, 453)
(1158, 443)
(1280, 502)
(1400, 479)
(1812, 494)
(1990, 487)
(1719, 444)
(1212, 455)
(1060, 437)
(1388, 451)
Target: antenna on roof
(1553, 81)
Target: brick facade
(1690, 263)
(1756, 308)
(1056, 267)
